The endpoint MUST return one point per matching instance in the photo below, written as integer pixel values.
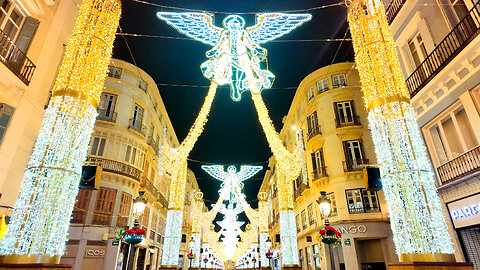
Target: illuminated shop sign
(465, 212)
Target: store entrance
(371, 254)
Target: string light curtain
(417, 221)
(42, 212)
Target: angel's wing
(270, 26)
(216, 171)
(195, 25)
(248, 171)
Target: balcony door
(137, 117)
(344, 112)
(106, 107)
(312, 124)
(354, 152)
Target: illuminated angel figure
(236, 55)
(232, 181)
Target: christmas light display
(42, 212)
(288, 167)
(230, 228)
(174, 163)
(236, 57)
(232, 181)
(417, 221)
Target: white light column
(417, 221)
(41, 217)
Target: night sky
(233, 134)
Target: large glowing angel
(236, 57)
(232, 181)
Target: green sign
(115, 242)
(347, 242)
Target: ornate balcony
(354, 122)
(154, 144)
(393, 9)
(137, 126)
(313, 132)
(460, 36)
(461, 166)
(149, 187)
(114, 166)
(105, 115)
(354, 165)
(298, 191)
(319, 173)
(16, 60)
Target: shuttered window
(81, 206)
(124, 210)
(104, 205)
(153, 226)
(145, 216)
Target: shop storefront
(364, 245)
(465, 216)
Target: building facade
(33, 36)
(122, 160)
(438, 45)
(328, 107)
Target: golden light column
(174, 163)
(197, 223)
(417, 221)
(41, 216)
(288, 168)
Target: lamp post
(324, 206)
(268, 244)
(139, 204)
(191, 244)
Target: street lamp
(139, 204)
(324, 205)
(191, 243)
(268, 244)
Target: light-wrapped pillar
(288, 167)
(263, 213)
(174, 163)
(417, 222)
(42, 212)
(197, 225)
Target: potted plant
(133, 236)
(329, 235)
(191, 256)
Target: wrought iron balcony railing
(136, 125)
(105, 115)
(393, 9)
(114, 166)
(16, 60)
(319, 173)
(355, 210)
(355, 121)
(149, 187)
(354, 165)
(461, 166)
(153, 143)
(298, 191)
(460, 36)
(313, 132)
